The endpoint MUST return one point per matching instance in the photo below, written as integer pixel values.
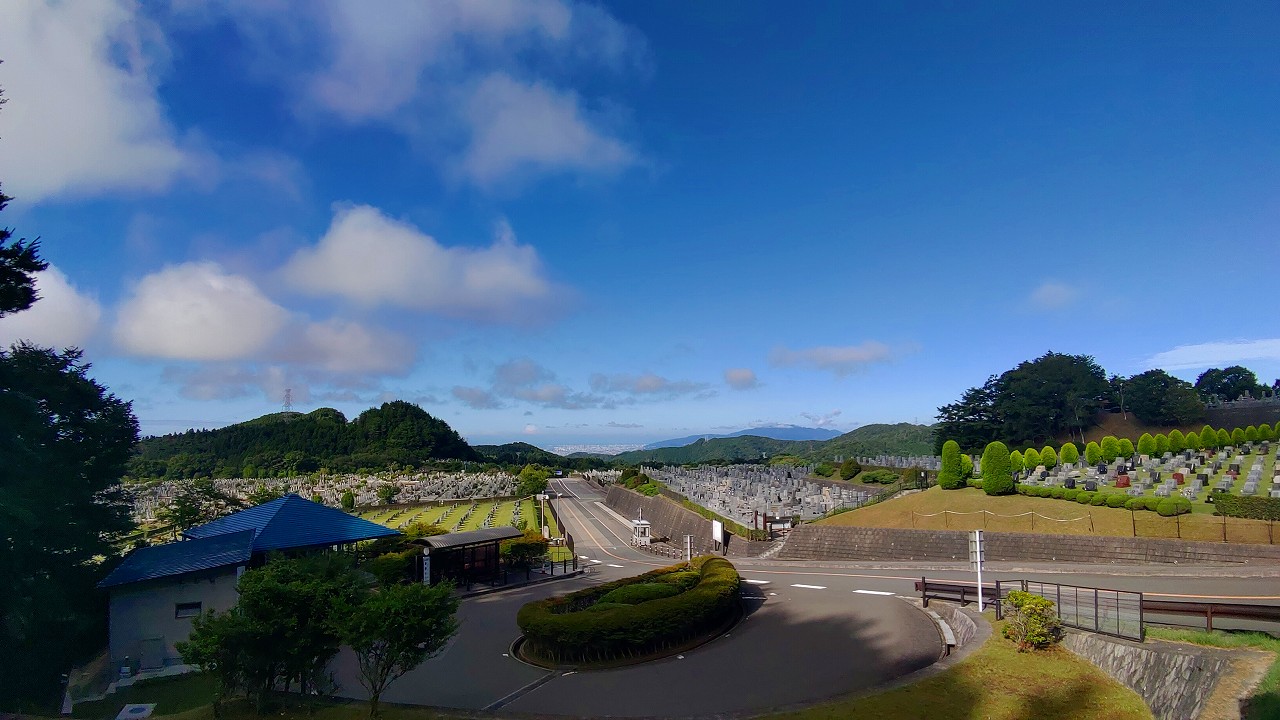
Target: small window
(186, 610)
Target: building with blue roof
(155, 591)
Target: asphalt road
(814, 630)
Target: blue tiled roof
(179, 558)
(293, 522)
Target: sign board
(540, 497)
(977, 553)
(426, 569)
(717, 531)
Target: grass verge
(1265, 703)
(997, 683)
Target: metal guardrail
(1209, 611)
(963, 593)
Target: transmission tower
(288, 400)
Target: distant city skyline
(571, 223)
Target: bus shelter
(465, 557)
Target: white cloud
(517, 127)
(1215, 354)
(83, 116)
(741, 378)
(197, 311)
(530, 429)
(1053, 295)
(839, 360)
(62, 317)
(823, 420)
(372, 259)
(476, 398)
(343, 347)
(646, 384)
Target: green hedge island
(632, 618)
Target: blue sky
(567, 222)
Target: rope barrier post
(1133, 519)
(945, 521)
(1090, 521)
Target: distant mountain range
(775, 432)
(868, 440)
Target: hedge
(1245, 506)
(639, 592)
(564, 629)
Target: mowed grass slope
(1019, 513)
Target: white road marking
(583, 557)
(810, 587)
(596, 562)
(873, 592)
(759, 582)
(612, 565)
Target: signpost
(542, 515)
(688, 548)
(717, 534)
(976, 555)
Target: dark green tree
(1227, 383)
(1251, 434)
(972, 421)
(1238, 437)
(1110, 448)
(997, 479)
(1209, 438)
(1162, 444)
(197, 502)
(1050, 396)
(396, 629)
(64, 446)
(1032, 458)
(1177, 441)
(1224, 437)
(348, 500)
(1265, 432)
(1126, 448)
(533, 480)
(1158, 398)
(1193, 441)
(949, 473)
(849, 469)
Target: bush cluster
(883, 477)
(1102, 498)
(1030, 621)
(1245, 506)
(574, 628)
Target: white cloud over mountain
(841, 360)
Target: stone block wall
(1174, 682)
(666, 518)
(833, 542)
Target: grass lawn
(923, 510)
(171, 695)
(997, 683)
(1266, 700)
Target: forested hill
(868, 440)
(519, 453)
(871, 440)
(396, 433)
(746, 447)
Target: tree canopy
(1227, 383)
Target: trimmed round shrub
(563, 629)
(639, 593)
(1071, 494)
(1110, 448)
(1170, 506)
(997, 477)
(1177, 441)
(1265, 432)
(1016, 464)
(1152, 502)
(1126, 448)
(1209, 437)
(1048, 457)
(1099, 499)
(1031, 457)
(1162, 444)
(1238, 437)
(602, 606)
(1193, 441)
(1224, 437)
(1044, 492)
(682, 580)
(975, 483)
(1069, 454)
(1058, 492)
(1085, 497)
(1116, 500)
(1135, 503)
(950, 476)
(1092, 453)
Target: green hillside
(734, 449)
(881, 439)
(396, 433)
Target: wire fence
(1110, 612)
(1107, 522)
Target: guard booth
(464, 557)
(641, 532)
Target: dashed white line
(759, 582)
(810, 587)
(873, 592)
(595, 561)
(612, 565)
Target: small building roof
(471, 537)
(180, 558)
(292, 522)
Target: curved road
(814, 631)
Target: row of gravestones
(740, 492)
(1188, 467)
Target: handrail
(1210, 610)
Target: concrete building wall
(142, 615)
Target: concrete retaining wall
(1175, 683)
(961, 624)
(833, 542)
(666, 518)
